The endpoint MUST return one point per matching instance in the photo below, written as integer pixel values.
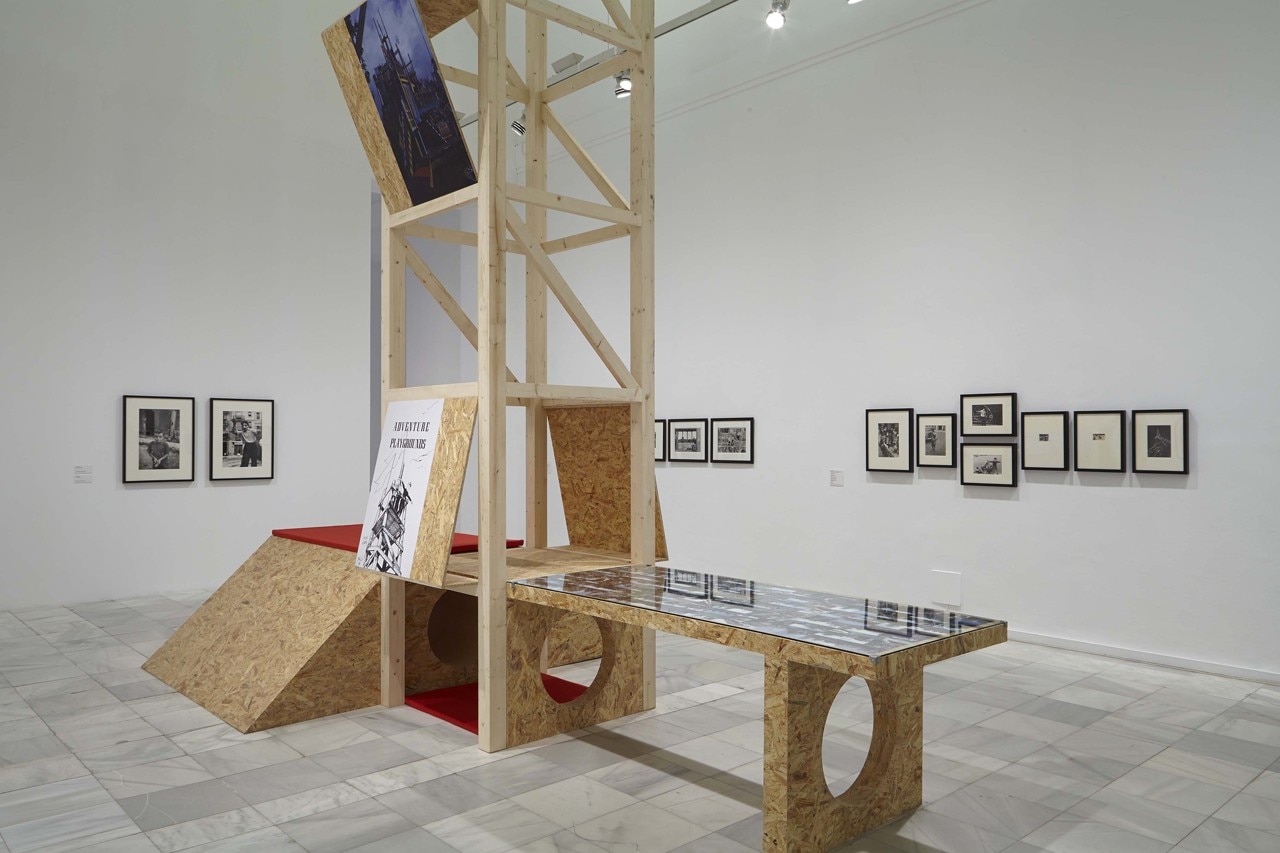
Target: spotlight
(622, 85)
(518, 125)
(851, 2)
(777, 16)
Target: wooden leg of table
(392, 642)
(800, 813)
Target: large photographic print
(411, 98)
(158, 439)
(241, 439)
(988, 414)
(890, 438)
(1160, 441)
(989, 465)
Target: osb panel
(439, 15)
(592, 446)
(364, 114)
(574, 637)
(424, 669)
(540, 562)
(243, 646)
(444, 491)
(531, 713)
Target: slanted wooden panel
(592, 446)
(444, 491)
(438, 15)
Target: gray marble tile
(1266, 785)
(81, 829)
(1194, 765)
(31, 749)
(569, 842)
(106, 660)
(129, 754)
(925, 830)
(1037, 786)
(40, 772)
(1244, 729)
(136, 843)
(269, 840)
(702, 720)
(52, 707)
(91, 736)
(218, 737)
(640, 827)
(364, 758)
(204, 830)
(1252, 811)
(963, 710)
(394, 721)
(156, 776)
(438, 799)
(995, 811)
(1137, 728)
(1194, 700)
(54, 798)
(277, 780)
(1180, 791)
(176, 722)
(1117, 747)
(709, 755)
(323, 735)
(61, 687)
(435, 740)
(996, 744)
(644, 777)
(1128, 688)
(22, 729)
(709, 803)
(1220, 836)
(1072, 834)
(1099, 699)
(1030, 726)
(749, 833)
(1081, 766)
(305, 803)
(413, 841)
(512, 776)
(1246, 753)
(342, 828)
(395, 778)
(658, 733)
(97, 719)
(581, 755)
(1164, 712)
(1135, 814)
(182, 804)
(574, 800)
(164, 703)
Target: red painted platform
(461, 705)
(346, 537)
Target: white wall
(1073, 201)
(183, 210)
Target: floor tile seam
(1004, 831)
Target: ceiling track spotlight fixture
(777, 16)
(517, 125)
(622, 84)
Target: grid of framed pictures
(730, 440)
(889, 439)
(158, 439)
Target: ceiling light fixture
(777, 16)
(622, 84)
(517, 125)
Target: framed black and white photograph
(936, 441)
(242, 439)
(732, 590)
(1045, 441)
(988, 414)
(691, 584)
(890, 437)
(687, 440)
(733, 440)
(989, 465)
(1100, 440)
(883, 617)
(159, 440)
(660, 440)
(1160, 441)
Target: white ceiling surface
(728, 50)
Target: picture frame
(994, 464)
(890, 439)
(1046, 441)
(689, 584)
(242, 438)
(733, 440)
(660, 440)
(936, 440)
(157, 439)
(687, 440)
(1159, 441)
(883, 617)
(988, 415)
(1100, 440)
(731, 590)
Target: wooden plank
(586, 238)
(569, 204)
(439, 234)
(524, 393)
(621, 18)
(439, 15)
(514, 80)
(434, 392)
(577, 21)
(589, 167)
(589, 76)
(535, 289)
(392, 307)
(445, 203)
(392, 655)
(551, 247)
(575, 309)
(463, 77)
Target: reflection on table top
(861, 626)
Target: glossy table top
(861, 626)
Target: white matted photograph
(158, 440)
(989, 465)
(988, 414)
(242, 439)
(890, 437)
(733, 440)
(936, 441)
(1160, 441)
(687, 440)
(1100, 440)
(691, 584)
(1045, 441)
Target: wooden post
(393, 377)
(491, 288)
(535, 292)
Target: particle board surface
(444, 491)
(438, 15)
(592, 446)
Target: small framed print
(242, 439)
(1160, 441)
(660, 440)
(988, 414)
(730, 590)
(890, 437)
(1045, 439)
(687, 440)
(936, 441)
(691, 584)
(733, 440)
(159, 440)
(884, 617)
(989, 465)
(1100, 440)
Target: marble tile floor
(1027, 749)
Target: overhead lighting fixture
(851, 2)
(518, 124)
(622, 84)
(777, 16)
(566, 62)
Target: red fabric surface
(460, 705)
(346, 537)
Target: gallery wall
(185, 211)
(1072, 201)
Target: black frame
(216, 430)
(751, 591)
(671, 446)
(751, 441)
(910, 443)
(660, 428)
(920, 457)
(126, 446)
(1013, 416)
(1075, 428)
(1133, 440)
(668, 579)
(1013, 468)
(1066, 441)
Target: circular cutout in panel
(846, 737)
(452, 631)
(574, 647)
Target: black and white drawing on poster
(159, 441)
(399, 488)
(988, 414)
(241, 439)
(890, 439)
(733, 440)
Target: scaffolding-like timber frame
(501, 230)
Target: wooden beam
(551, 247)
(577, 21)
(457, 198)
(590, 76)
(433, 392)
(569, 204)
(392, 603)
(526, 393)
(586, 238)
(621, 18)
(575, 309)
(472, 81)
(580, 156)
(535, 291)
(392, 306)
(441, 235)
(514, 80)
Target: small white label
(837, 477)
(83, 474)
(947, 588)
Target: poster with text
(399, 488)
